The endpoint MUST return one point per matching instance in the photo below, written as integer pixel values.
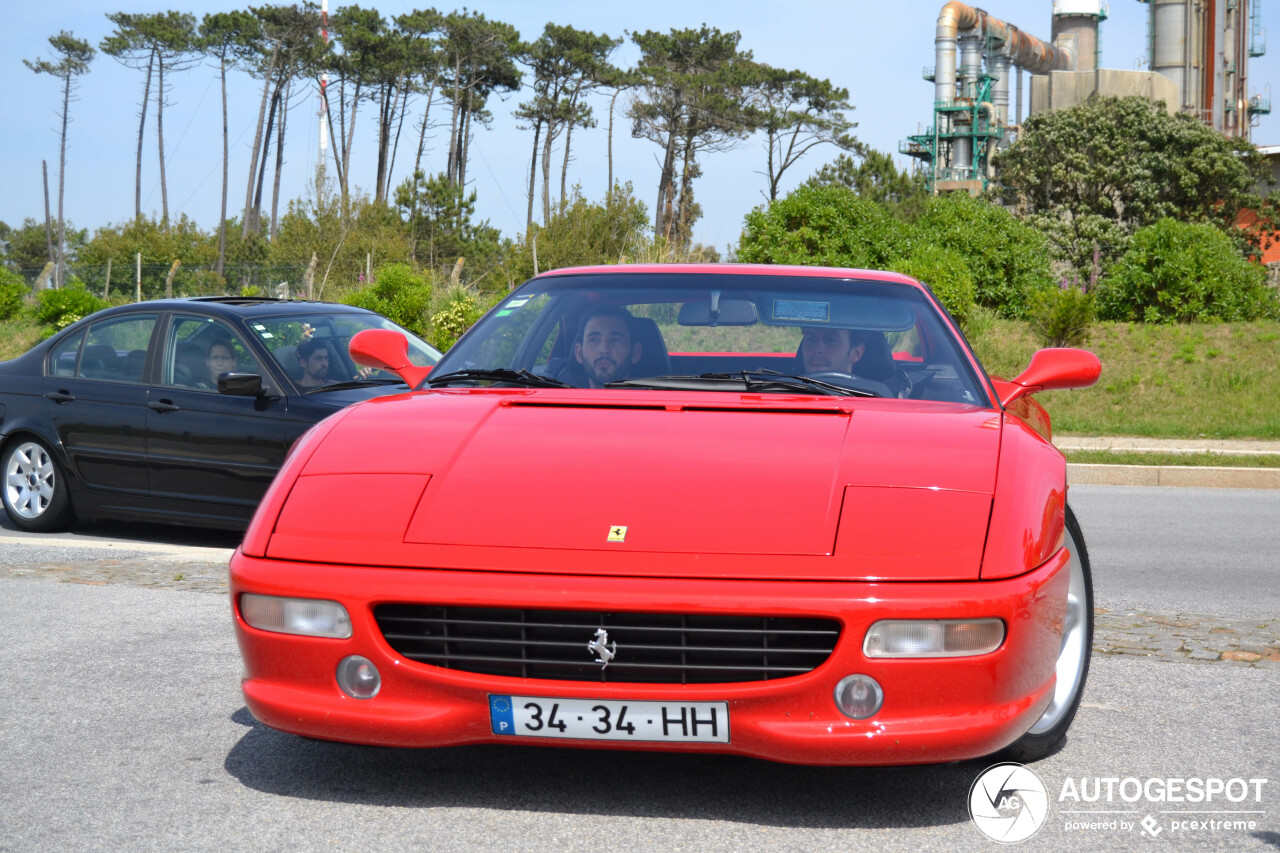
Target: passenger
(604, 347)
(219, 358)
(313, 358)
(828, 350)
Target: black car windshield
(324, 336)
(716, 332)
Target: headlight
(305, 616)
(933, 638)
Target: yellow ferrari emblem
(617, 534)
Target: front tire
(1072, 667)
(34, 488)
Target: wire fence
(152, 280)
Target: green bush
(1184, 272)
(1061, 316)
(1008, 259)
(583, 233)
(947, 275)
(398, 293)
(12, 290)
(823, 226)
(57, 309)
(456, 310)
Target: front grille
(652, 648)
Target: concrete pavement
(1206, 476)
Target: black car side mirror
(240, 384)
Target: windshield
(311, 347)
(716, 332)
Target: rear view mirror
(388, 350)
(719, 312)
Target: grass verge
(1198, 460)
(1179, 381)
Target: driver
(604, 347)
(827, 350)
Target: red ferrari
(772, 511)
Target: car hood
(712, 475)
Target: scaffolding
(965, 124)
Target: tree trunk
(337, 140)
(611, 103)
(451, 169)
(164, 188)
(533, 174)
(48, 217)
(384, 140)
(464, 146)
(346, 150)
(395, 145)
(142, 124)
(275, 189)
(568, 138)
(257, 143)
(662, 211)
(62, 183)
(422, 132)
(226, 159)
(546, 172)
(254, 213)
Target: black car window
(198, 349)
(65, 355)
(116, 349)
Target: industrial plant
(1198, 53)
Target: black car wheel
(1073, 658)
(35, 490)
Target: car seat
(654, 358)
(98, 362)
(189, 368)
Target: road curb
(1079, 474)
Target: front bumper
(935, 710)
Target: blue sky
(875, 50)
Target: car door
(96, 392)
(210, 453)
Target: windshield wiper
(354, 383)
(501, 374)
(743, 380)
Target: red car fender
(1028, 512)
(264, 518)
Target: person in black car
(220, 358)
(313, 358)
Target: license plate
(601, 719)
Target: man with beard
(604, 347)
(313, 358)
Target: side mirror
(1049, 369)
(385, 349)
(240, 384)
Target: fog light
(358, 677)
(858, 696)
(933, 638)
(305, 616)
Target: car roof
(737, 269)
(239, 306)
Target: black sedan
(177, 410)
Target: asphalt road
(122, 727)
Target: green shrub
(456, 310)
(583, 233)
(1061, 316)
(12, 291)
(1008, 258)
(947, 275)
(823, 226)
(57, 309)
(1185, 272)
(398, 293)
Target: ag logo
(1008, 803)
